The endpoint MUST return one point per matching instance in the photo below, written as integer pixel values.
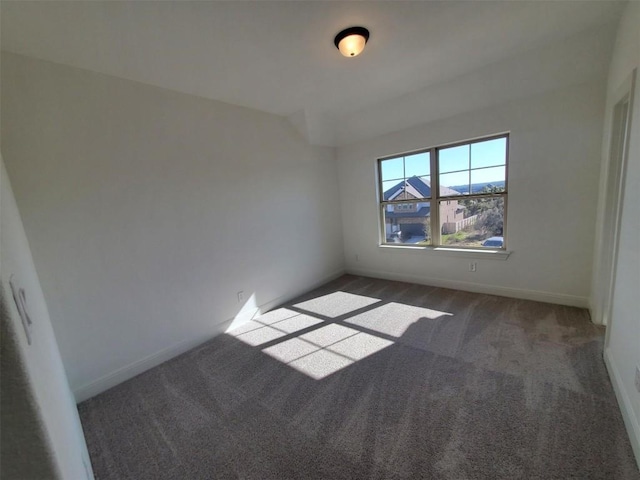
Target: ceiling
(279, 57)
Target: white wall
(53, 421)
(148, 210)
(553, 183)
(623, 349)
(541, 69)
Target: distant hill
(476, 187)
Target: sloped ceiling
(424, 60)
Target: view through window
(452, 196)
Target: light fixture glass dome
(351, 41)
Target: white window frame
(434, 200)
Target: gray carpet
(372, 379)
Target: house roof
(417, 187)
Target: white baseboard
(123, 374)
(539, 296)
(626, 407)
(126, 372)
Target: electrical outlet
(473, 266)
(241, 296)
(638, 378)
(357, 257)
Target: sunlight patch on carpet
(336, 304)
(326, 350)
(395, 319)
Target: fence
(453, 227)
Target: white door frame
(614, 193)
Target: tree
(491, 221)
(478, 205)
(426, 227)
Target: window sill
(478, 254)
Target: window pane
(405, 195)
(392, 169)
(454, 183)
(427, 186)
(417, 165)
(489, 153)
(472, 223)
(407, 223)
(453, 159)
(483, 179)
(392, 189)
(418, 187)
(479, 167)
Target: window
(449, 196)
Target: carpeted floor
(374, 379)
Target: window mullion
(434, 211)
(382, 205)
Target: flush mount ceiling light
(351, 41)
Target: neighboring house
(411, 218)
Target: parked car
(495, 242)
(395, 237)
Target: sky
(484, 160)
